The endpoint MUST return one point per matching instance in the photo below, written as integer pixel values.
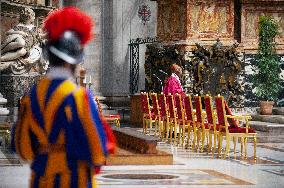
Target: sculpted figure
(20, 50)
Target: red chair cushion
(112, 116)
(238, 130)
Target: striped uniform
(61, 132)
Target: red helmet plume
(69, 18)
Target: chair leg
(242, 146)
(202, 139)
(235, 142)
(175, 134)
(195, 135)
(215, 143)
(254, 149)
(155, 133)
(220, 138)
(198, 140)
(227, 152)
(146, 126)
(245, 144)
(180, 135)
(167, 130)
(188, 135)
(159, 128)
(163, 130)
(183, 134)
(171, 132)
(210, 142)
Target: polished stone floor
(190, 169)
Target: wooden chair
(233, 131)
(148, 116)
(164, 116)
(180, 113)
(200, 124)
(212, 123)
(110, 118)
(157, 113)
(189, 120)
(172, 118)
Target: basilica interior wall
(122, 23)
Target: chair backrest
(155, 104)
(163, 105)
(145, 105)
(209, 109)
(223, 109)
(220, 108)
(99, 105)
(232, 122)
(188, 107)
(179, 106)
(171, 106)
(198, 108)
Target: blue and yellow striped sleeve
(89, 129)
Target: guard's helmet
(68, 30)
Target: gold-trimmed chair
(110, 118)
(231, 130)
(212, 123)
(157, 113)
(172, 118)
(201, 126)
(190, 120)
(180, 115)
(148, 116)
(164, 116)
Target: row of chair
(110, 118)
(173, 116)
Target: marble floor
(190, 169)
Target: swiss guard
(59, 128)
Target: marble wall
(107, 57)
(122, 23)
(93, 51)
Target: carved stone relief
(21, 51)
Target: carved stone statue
(21, 50)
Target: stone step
(267, 127)
(278, 119)
(125, 157)
(278, 111)
(268, 132)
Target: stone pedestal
(13, 87)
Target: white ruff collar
(59, 73)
